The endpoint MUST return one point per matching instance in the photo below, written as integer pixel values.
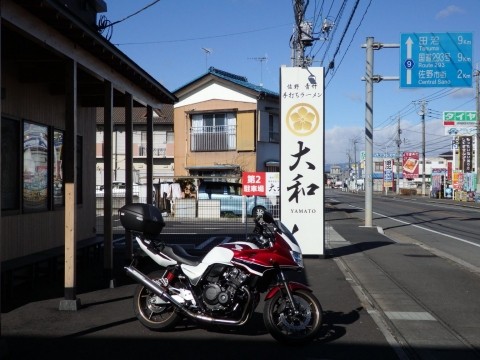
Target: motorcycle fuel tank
(221, 254)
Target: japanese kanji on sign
(253, 183)
(302, 155)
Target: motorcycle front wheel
(151, 310)
(289, 326)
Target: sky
(176, 41)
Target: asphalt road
(427, 271)
(444, 226)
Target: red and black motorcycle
(224, 286)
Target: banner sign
(457, 180)
(466, 153)
(272, 187)
(387, 173)
(302, 155)
(410, 165)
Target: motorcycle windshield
(282, 229)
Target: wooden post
(70, 174)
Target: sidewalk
(366, 314)
(105, 326)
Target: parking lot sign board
(436, 60)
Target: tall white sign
(302, 156)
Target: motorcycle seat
(178, 253)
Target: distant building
(163, 144)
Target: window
(213, 132)
(378, 166)
(34, 181)
(10, 164)
(273, 128)
(35, 167)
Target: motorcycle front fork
(284, 281)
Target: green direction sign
(455, 118)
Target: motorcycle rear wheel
(153, 315)
(286, 326)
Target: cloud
(449, 10)
(355, 97)
(338, 142)
(464, 93)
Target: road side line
(423, 228)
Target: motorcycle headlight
(297, 257)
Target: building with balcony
(225, 125)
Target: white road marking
(423, 228)
(410, 315)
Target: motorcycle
(222, 287)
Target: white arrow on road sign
(409, 43)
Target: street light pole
(477, 146)
(369, 79)
(422, 114)
(369, 133)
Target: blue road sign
(436, 60)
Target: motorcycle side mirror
(267, 217)
(295, 229)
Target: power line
(332, 62)
(204, 37)
(110, 24)
(350, 43)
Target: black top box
(144, 218)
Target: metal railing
(213, 138)
(189, 217)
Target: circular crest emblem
(302, 119)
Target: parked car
(230, 196)
(119, 189)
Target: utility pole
(422, 114)
(370, 78)
(369, 133)
(349, 164)
(477, 146)
(302, 37)
(399, 141)
(355, 172)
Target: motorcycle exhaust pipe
(137, 275)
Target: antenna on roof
(207, 52)
(262, 60)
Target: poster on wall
(302, 155)
(58, 190)
(35, 167)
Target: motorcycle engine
(220, 292)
